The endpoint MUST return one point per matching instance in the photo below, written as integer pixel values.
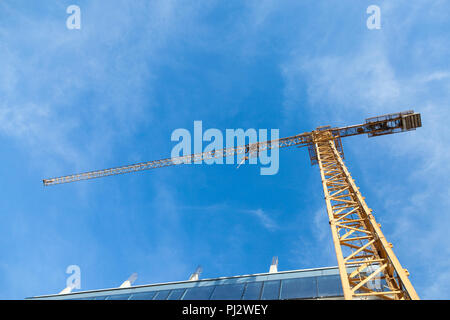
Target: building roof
(294, 284)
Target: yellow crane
(367, 264)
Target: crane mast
(367, 264)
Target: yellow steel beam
(349, 214)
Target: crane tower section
(367, 263)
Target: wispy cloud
(315, 250)
(263, 218)
(71, 96)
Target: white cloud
(439, 75)
(316, 250)
(264, 218)
(69, 96)
(361, 83)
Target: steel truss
(367, 264)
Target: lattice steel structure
(367, 264)
(357, 237)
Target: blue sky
(112, 93)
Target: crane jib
(375, 126)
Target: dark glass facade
(298, 284)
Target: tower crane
(363, 253)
